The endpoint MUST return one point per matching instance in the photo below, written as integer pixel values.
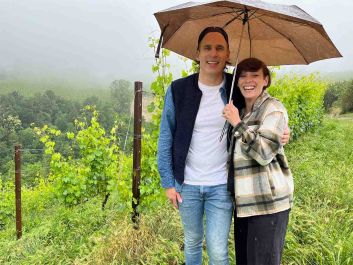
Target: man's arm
(165, 144)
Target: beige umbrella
(275, 34)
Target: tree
(347, 97)
(122, 95)
(8, 125)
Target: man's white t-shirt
(206, 162)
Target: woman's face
(251, 84)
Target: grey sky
(108, 39)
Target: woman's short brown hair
(253, 65)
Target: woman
(260, 178)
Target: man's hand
(173, 196)
(285, 136)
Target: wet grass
(320, 229)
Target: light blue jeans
(214, 204)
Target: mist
(108, 40)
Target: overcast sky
(109, 39)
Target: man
(192, 161)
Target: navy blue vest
(186, 98)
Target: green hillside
(320, 229)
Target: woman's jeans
(214, 204)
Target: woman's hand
(231, 114)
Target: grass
(321, 225)
(62, 235)
(348, 116)
(320, 229)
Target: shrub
(7, 199)
(339, 95)
(303, 98)
(93, 171)
(347, 97)
(331, 96)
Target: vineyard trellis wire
(136, 164)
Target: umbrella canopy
(275, 34)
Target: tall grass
(321, 224)
(56, 236)
(320, 229)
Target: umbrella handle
(225, 126)
(156, 56)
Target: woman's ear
(266, 80)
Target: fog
(107, 40)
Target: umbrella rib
(248, 22)
(286, 38)
(252, 13)
(230, 21)
(240, 11)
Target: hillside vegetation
(70, 171)
(320, 229)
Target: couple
(204, 180)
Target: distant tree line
(339, 97)
(19, 115)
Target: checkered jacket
(263, 183)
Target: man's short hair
(212, 29)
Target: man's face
(213, 54)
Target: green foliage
(7, 199)
(320, 229)
(347, 97)
(321, 222)
(332, 94)
(151, 191)
(86, 164)
(35, 201)
(18, 113)
(96, 165)
(56, 234)
(191, 67)
(122, 95)
(303, 99)
(339, 95)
